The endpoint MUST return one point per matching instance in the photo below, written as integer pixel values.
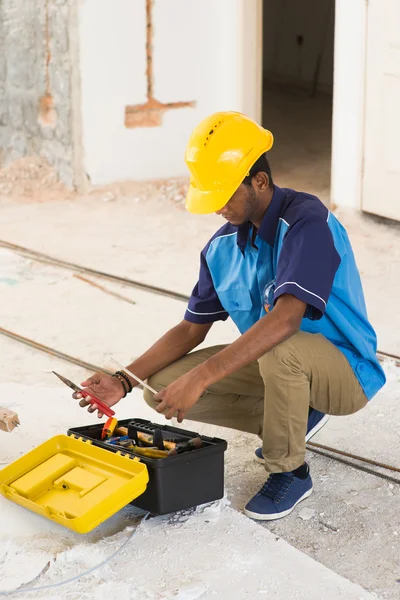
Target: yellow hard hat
(219, 154)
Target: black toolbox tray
(176, 482)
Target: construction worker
(283, 269)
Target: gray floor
(301, 155)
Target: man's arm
(274, 328)
(177, 342)
(174, 344)
(204, 308)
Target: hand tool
(118, 440)
(121, 431)
(125, 442)
(109, 428)
(181, 447)
(102, 407)
(147, 438)
(148, 387)
(150, 452)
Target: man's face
(241, 207)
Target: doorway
(297, 91)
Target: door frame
(252, 61)
(350, 54)
(349, 78)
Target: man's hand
(106, 388)
(179, 396)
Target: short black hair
(261, 164)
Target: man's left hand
(179, 396)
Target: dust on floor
(142, 231)
(212, 552)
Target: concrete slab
(354, 528)
(209, 553)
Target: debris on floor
(214, 552)
(8, 419)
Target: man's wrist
(205, 375)
(123, 383)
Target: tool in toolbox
(109, 428)
(151, 440)
(104, 408)
(156, 440)
(80, 480)
(155, 445)
(177, 482)
(149, 452)
(193, 444)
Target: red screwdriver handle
(104, 408)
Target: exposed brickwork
(151, 112)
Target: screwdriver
(102, 407)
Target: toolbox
(73, 482)
(176, 482)
(79, 480)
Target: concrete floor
(354, 526)
(302, 129)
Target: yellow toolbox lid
(71, 482)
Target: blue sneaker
(316, 420)
(278, 496)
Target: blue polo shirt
(300, 249)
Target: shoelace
(277, 486)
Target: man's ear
(261, 181)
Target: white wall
(283, 58)
(197, 56)
(348, 102)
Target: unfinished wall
(197, 56)
(296, 32)
(32, 34)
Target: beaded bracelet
(128, 381)
(122, 382)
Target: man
(283, 269)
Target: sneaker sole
(309, 435)
(275, 516)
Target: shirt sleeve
(307, 265)
(204, 305)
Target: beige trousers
(271, 397)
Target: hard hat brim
(204, 202)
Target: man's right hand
(107, 388)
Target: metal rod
(104, 289)
(313, 447)
(45, 258)
(395, 357)
(355, 466)
(51, 351)
(63, 264)
(143, 383)
(355, 457)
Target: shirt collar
(269, 223)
